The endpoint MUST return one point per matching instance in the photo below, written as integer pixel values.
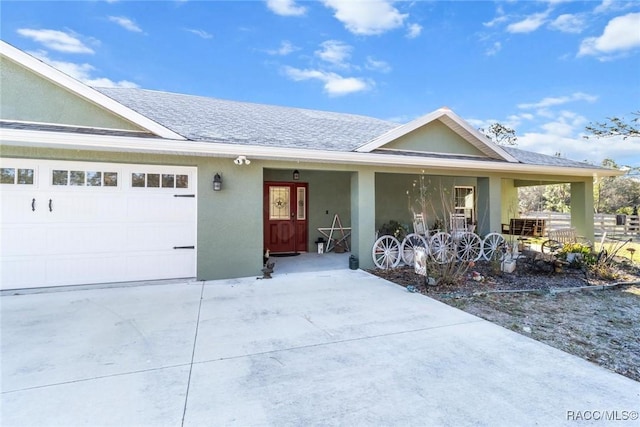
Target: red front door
(285, 217)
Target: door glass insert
(94, 179)
(137, 180)
(60, 177)
(167, 180)
(76, 178)
(7, 176)
(279, 198)
(111, 179)
(153, 180)
(302, 201)
(25, 176)
(182, 181)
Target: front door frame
(287, 235)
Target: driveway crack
(193, 353)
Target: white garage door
(69, 223)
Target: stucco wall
(27, 97)
(435, 137)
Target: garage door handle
(50, 205)
(33, 205)
(184, 247)
(184, 195)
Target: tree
(615, 126)
(500, 134)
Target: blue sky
(544, 68)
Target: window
(156, 180)
(16, 176)
(464, 203)
(84, 178)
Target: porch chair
(458, 225)
(419, 226)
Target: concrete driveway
(325, 348)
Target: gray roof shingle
(199, 118)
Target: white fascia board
(26, 138)
(482, 140)
(61, 79)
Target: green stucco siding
(435, 137)
(30, 98)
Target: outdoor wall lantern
(217, 182)
(296, 175)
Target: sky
(545, 69)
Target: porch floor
(308, 262)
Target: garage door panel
(91, 223)
(149, 266)
(155, 208)
(159, 236)
(23, 240)
(23, 272)
(85, 239)
(75, 270)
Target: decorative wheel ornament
(409, 243)
(468, 247)
(441, 248)
(550, 247)
(492, 243)
(386, 252)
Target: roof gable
(440, 132)
(27, 81)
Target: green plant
(580, 254)
(395, 229)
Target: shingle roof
(531, 158)
(199, 118)
(205, 119)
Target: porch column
(363, 221)
(582, 208)
(489, 205)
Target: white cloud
(285, 49)
(575, 147)
(621, 34)
(82, 72)
(376, 65)
(334, 84)
(529, 24)
(200, 33)
(126, 23)
(568, 23)
(494, 49)
(334, 52)
(414, 30)
(560, 100)
(56, 40)
(369, 17)
(286, 8)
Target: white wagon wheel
(410, 242)
(386, 252)
(469, 247)
(441, 248)
(492, 243)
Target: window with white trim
(465, 202)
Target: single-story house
(122, 184)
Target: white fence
(614, 225)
